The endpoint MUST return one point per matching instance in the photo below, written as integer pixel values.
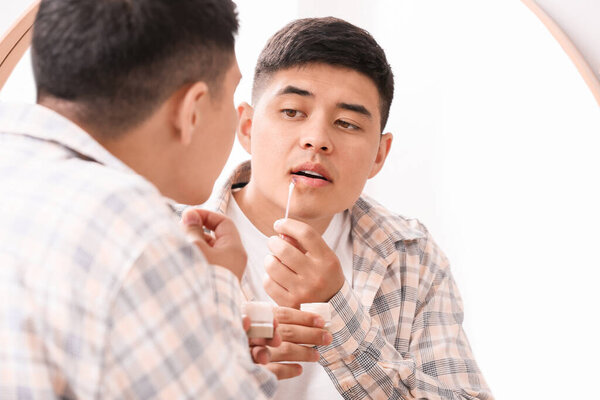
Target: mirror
(495, 150)
(575, 26)
(15, 42)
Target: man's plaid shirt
(397, 328)
(101, 295)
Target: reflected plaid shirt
(101, 294)
(397, 329)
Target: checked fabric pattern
(397, 328)
(101, 295)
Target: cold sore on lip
(311, 175)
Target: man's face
(320, 125)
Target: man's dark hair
(116, 61)
(330, 41)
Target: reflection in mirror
(495, 150)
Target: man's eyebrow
(356, 108)
(359, 108)
(294, 90)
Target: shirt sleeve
(176, 332)
(439, 363)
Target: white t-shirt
(314, 383)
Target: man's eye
(346, 125)
(288, 112)
(291, 113)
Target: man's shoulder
(368, 215)
(390, 234)
(82, 197)
(77, 226)
(93, 187)
(128, 198)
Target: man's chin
(191, 197)
(313, 213)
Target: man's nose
(317, 139)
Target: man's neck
(144, 148)
(263, 213)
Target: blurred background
(496, 141)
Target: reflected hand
(297, 328)
(302, 270)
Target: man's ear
(190, 110)
(385, 144)
(244, 128)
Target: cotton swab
(289, 200)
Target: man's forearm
(366, 365)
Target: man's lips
(312, 171)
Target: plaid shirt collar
(372, 224)
(42, 123)
(39, 122)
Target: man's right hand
(296, 328)
(223, 247)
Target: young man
(321, 97)
(102, 294)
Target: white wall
(495, 149)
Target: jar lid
(258, 311)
